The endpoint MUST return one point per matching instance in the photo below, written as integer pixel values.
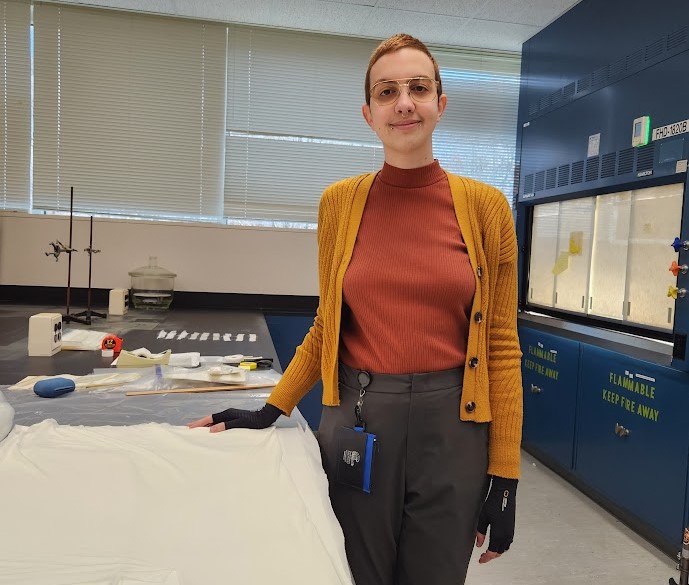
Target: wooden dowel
(200, 389)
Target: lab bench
(138, 329)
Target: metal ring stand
(83, 317)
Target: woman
(415, 339)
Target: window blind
(477, 134)
(294, 122)
(15, 92)
(129, 109)
(165, 117)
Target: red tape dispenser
(111, 345)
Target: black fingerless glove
(498, 512)
(235, 418)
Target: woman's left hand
(498, 512)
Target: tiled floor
(563, 538)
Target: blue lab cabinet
(550, 370)
(614, 424)
(632, 439)
(287, 332)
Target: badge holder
(355, 447)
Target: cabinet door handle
(535, 389)
(620, 431)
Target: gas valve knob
(676, 268)
(680, 245)
(675, 293)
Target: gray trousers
(429, 479)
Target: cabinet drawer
(632, 439)
(550, 368)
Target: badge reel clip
(356, 447)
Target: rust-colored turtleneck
(492, 383)
(409, 287)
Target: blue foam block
(53, 387)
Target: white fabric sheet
(84, 571)
(178, 505)
(6, 420)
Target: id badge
(355, 451)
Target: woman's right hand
(206, 421)
(235, 418)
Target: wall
(206, 258)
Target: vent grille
(578, 172)
(592, 169)
(607, 168)
(563, 176)
(550, 176)
(645, 156)
(528, 184)
(672, 42)
(618, 67)
(600, 75)
(677, 38)
(592, 166)
(626, 161)
(569, 90)
(584, 83)
(654, 49)
(635, 59)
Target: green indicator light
(641, 131)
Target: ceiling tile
(359, 2)
(491, 24)
(499, 36)
(461, 8)
(531, 12)
(430, 28)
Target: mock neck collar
(411, 178)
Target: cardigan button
(479, 272)
(470, 406)
(473, 362)
(478, 316)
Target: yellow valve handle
(672, 292)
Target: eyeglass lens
(421, 89)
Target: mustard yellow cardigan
(492, 390)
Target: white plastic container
(152, 286)
(119, 301)
(45, 334)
